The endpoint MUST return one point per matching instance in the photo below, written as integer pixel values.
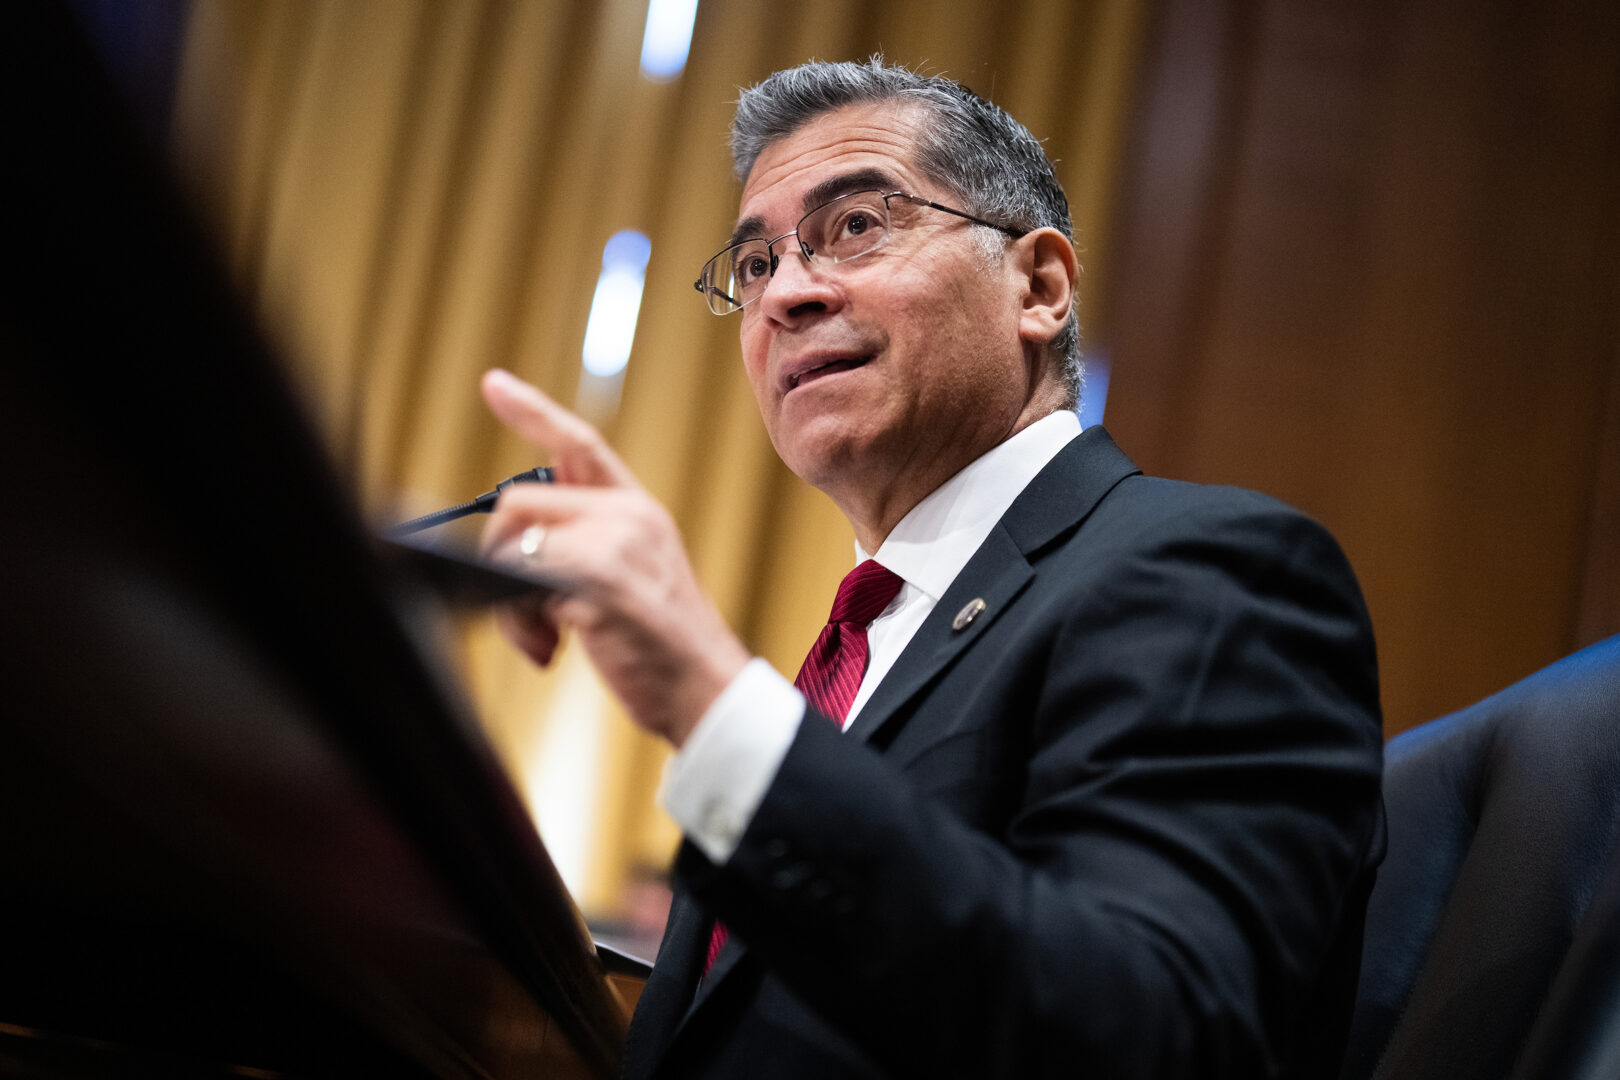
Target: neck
(874, 505)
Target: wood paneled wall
(1368, 261)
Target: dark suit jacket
(1123, 824)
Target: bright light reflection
(668, 38)
(563, 771)
(611, 328)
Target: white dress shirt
(716, 781)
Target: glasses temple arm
(1008, 229)
(698, 285)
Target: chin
(817, 470)
(837, 466)
(818, 461)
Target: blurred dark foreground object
(246, 826)
(1493, 934)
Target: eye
(751, 267)
(857, 227)
(858, 224)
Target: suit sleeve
(1191, 804)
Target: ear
(1047, 265)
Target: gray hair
(984, 156)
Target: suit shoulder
(1224, 560)
(1180, 497)
(1232, 540)
(1148, 507)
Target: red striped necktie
(832, 673)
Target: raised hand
(650, 630)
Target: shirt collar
(932, 543)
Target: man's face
(894, 370)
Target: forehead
(876, 137)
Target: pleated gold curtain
(414, 191)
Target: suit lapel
(996, 574)
(732, 951)
(678, 984)
(1060, 497)
(668, 993)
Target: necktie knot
(864, 593)
(831, 675)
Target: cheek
(754, 354)
(941, 323)
(756, 367)
(959, 355)
(941, 292)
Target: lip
(807, 368)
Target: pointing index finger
(579, 454)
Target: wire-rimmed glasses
(845, 228)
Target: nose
(799, 290)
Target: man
(1106, 801)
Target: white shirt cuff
(716, 781)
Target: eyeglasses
(835, 232)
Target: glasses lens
(846, 227)
(836, 232)
(736, 276)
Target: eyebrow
(751, 228)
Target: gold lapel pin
(969, 612)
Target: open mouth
(849, 363)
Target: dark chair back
(1493, 934)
